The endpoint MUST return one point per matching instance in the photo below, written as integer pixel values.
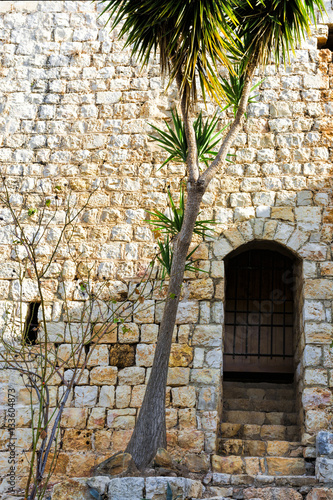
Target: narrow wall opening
(261, 338)
(31, 323)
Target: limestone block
(137, 396)
(320, 494)
(121, 419)
(312, 355)
(207, 336)
(308, 214)
(282, 213)
(123, 396)
(106, 396)
(313, 310)
(281, 466)
(99, 356)
(214, 358)
(187, 418)
(84, 380)
(326, 269)
(318, 289)
(184, 397)
(324, 444)
(313, 251)
(70, 489)
(200, 289)
(188, 312)
(315, 397)
(221, 248)
(144, 313)
(228, 465)
(149, 333)
(126, 488)
(183, 333)
(208, 398)
(328, 357)
(156, 487)
(85, 396)
(178, 376)
(74, 439)
(318, 333)
(145, 354)
(315, 376)
(133, 375)
(104, 375)
(181, 355)
(190, 439)
(128, 333)
(324, 469)
(205, 375)
(240, 200)
(242, 214)
(74, 418)
(315, 420)
(96, 418)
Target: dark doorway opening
(259, 313)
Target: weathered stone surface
(114, 465)
(131, 376)
(197, 463)
(126, 488)
(228, 465)
(324, 444)
(181, 355)
(71, 489)
(324, 469)
(163, 459)
(122, 355)
(281, 466)
(104, 375)
(320, 494)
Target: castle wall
(75, 112)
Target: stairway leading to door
(259, 432)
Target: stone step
(256, 448)
(259, 432)
(252, 466)
(267, 405)
(259, 417)
(258, 391)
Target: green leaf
(173, 141)
(48, 203)
(32, 211)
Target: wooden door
(259, 313)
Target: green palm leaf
(192, 37)
(174, 141)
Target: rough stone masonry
(75, 109)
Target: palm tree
(192, 38)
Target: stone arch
(291, 240)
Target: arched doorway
(260, 416)
(259, 311)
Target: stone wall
(75, 109)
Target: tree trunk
(150, 430)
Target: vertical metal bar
(259, 312)
(235, 316)
(285, 267)
(247, 302)
(272, 303)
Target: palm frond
(175, 144)
(173, 224)
(273, 27)
(192, 37)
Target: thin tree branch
(192, 160)
(212, 170)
